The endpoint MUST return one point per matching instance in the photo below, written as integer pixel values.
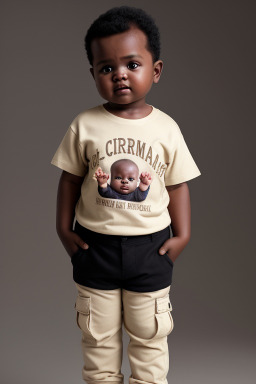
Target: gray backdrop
(208, 87)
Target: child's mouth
(122, 89)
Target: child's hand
(173, 247)
(102, 178)
(72, 242)
(145, 181)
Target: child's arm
(69, 191)
(180, 212)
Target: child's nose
(120, 75)
(125, 181)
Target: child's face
(123, 68)
(124, 177)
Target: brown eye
(106, 69)
(132, 65)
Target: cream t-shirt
(154, 144)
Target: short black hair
(120, 19)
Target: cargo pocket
(163, 316)
(82, 306)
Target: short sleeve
(68, 155)
(181, 166)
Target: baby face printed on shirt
(124, 176)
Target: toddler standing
(125, 166)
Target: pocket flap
(83, 305)
(163, 304)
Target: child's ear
(158, 67)
(92, 72)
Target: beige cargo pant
(147, 320)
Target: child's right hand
(72, 242)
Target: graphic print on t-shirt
(124, 181)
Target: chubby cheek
(133, 185)
(145, 85)
(144, 80)
(100, 89)
(102, 86)
(115, 184)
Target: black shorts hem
(96, 285)
(150, 289)
(102, 286)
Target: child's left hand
(173, 247)
(145, 178)
(145, 181)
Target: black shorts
(131, 262)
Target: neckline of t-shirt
(122, 120)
